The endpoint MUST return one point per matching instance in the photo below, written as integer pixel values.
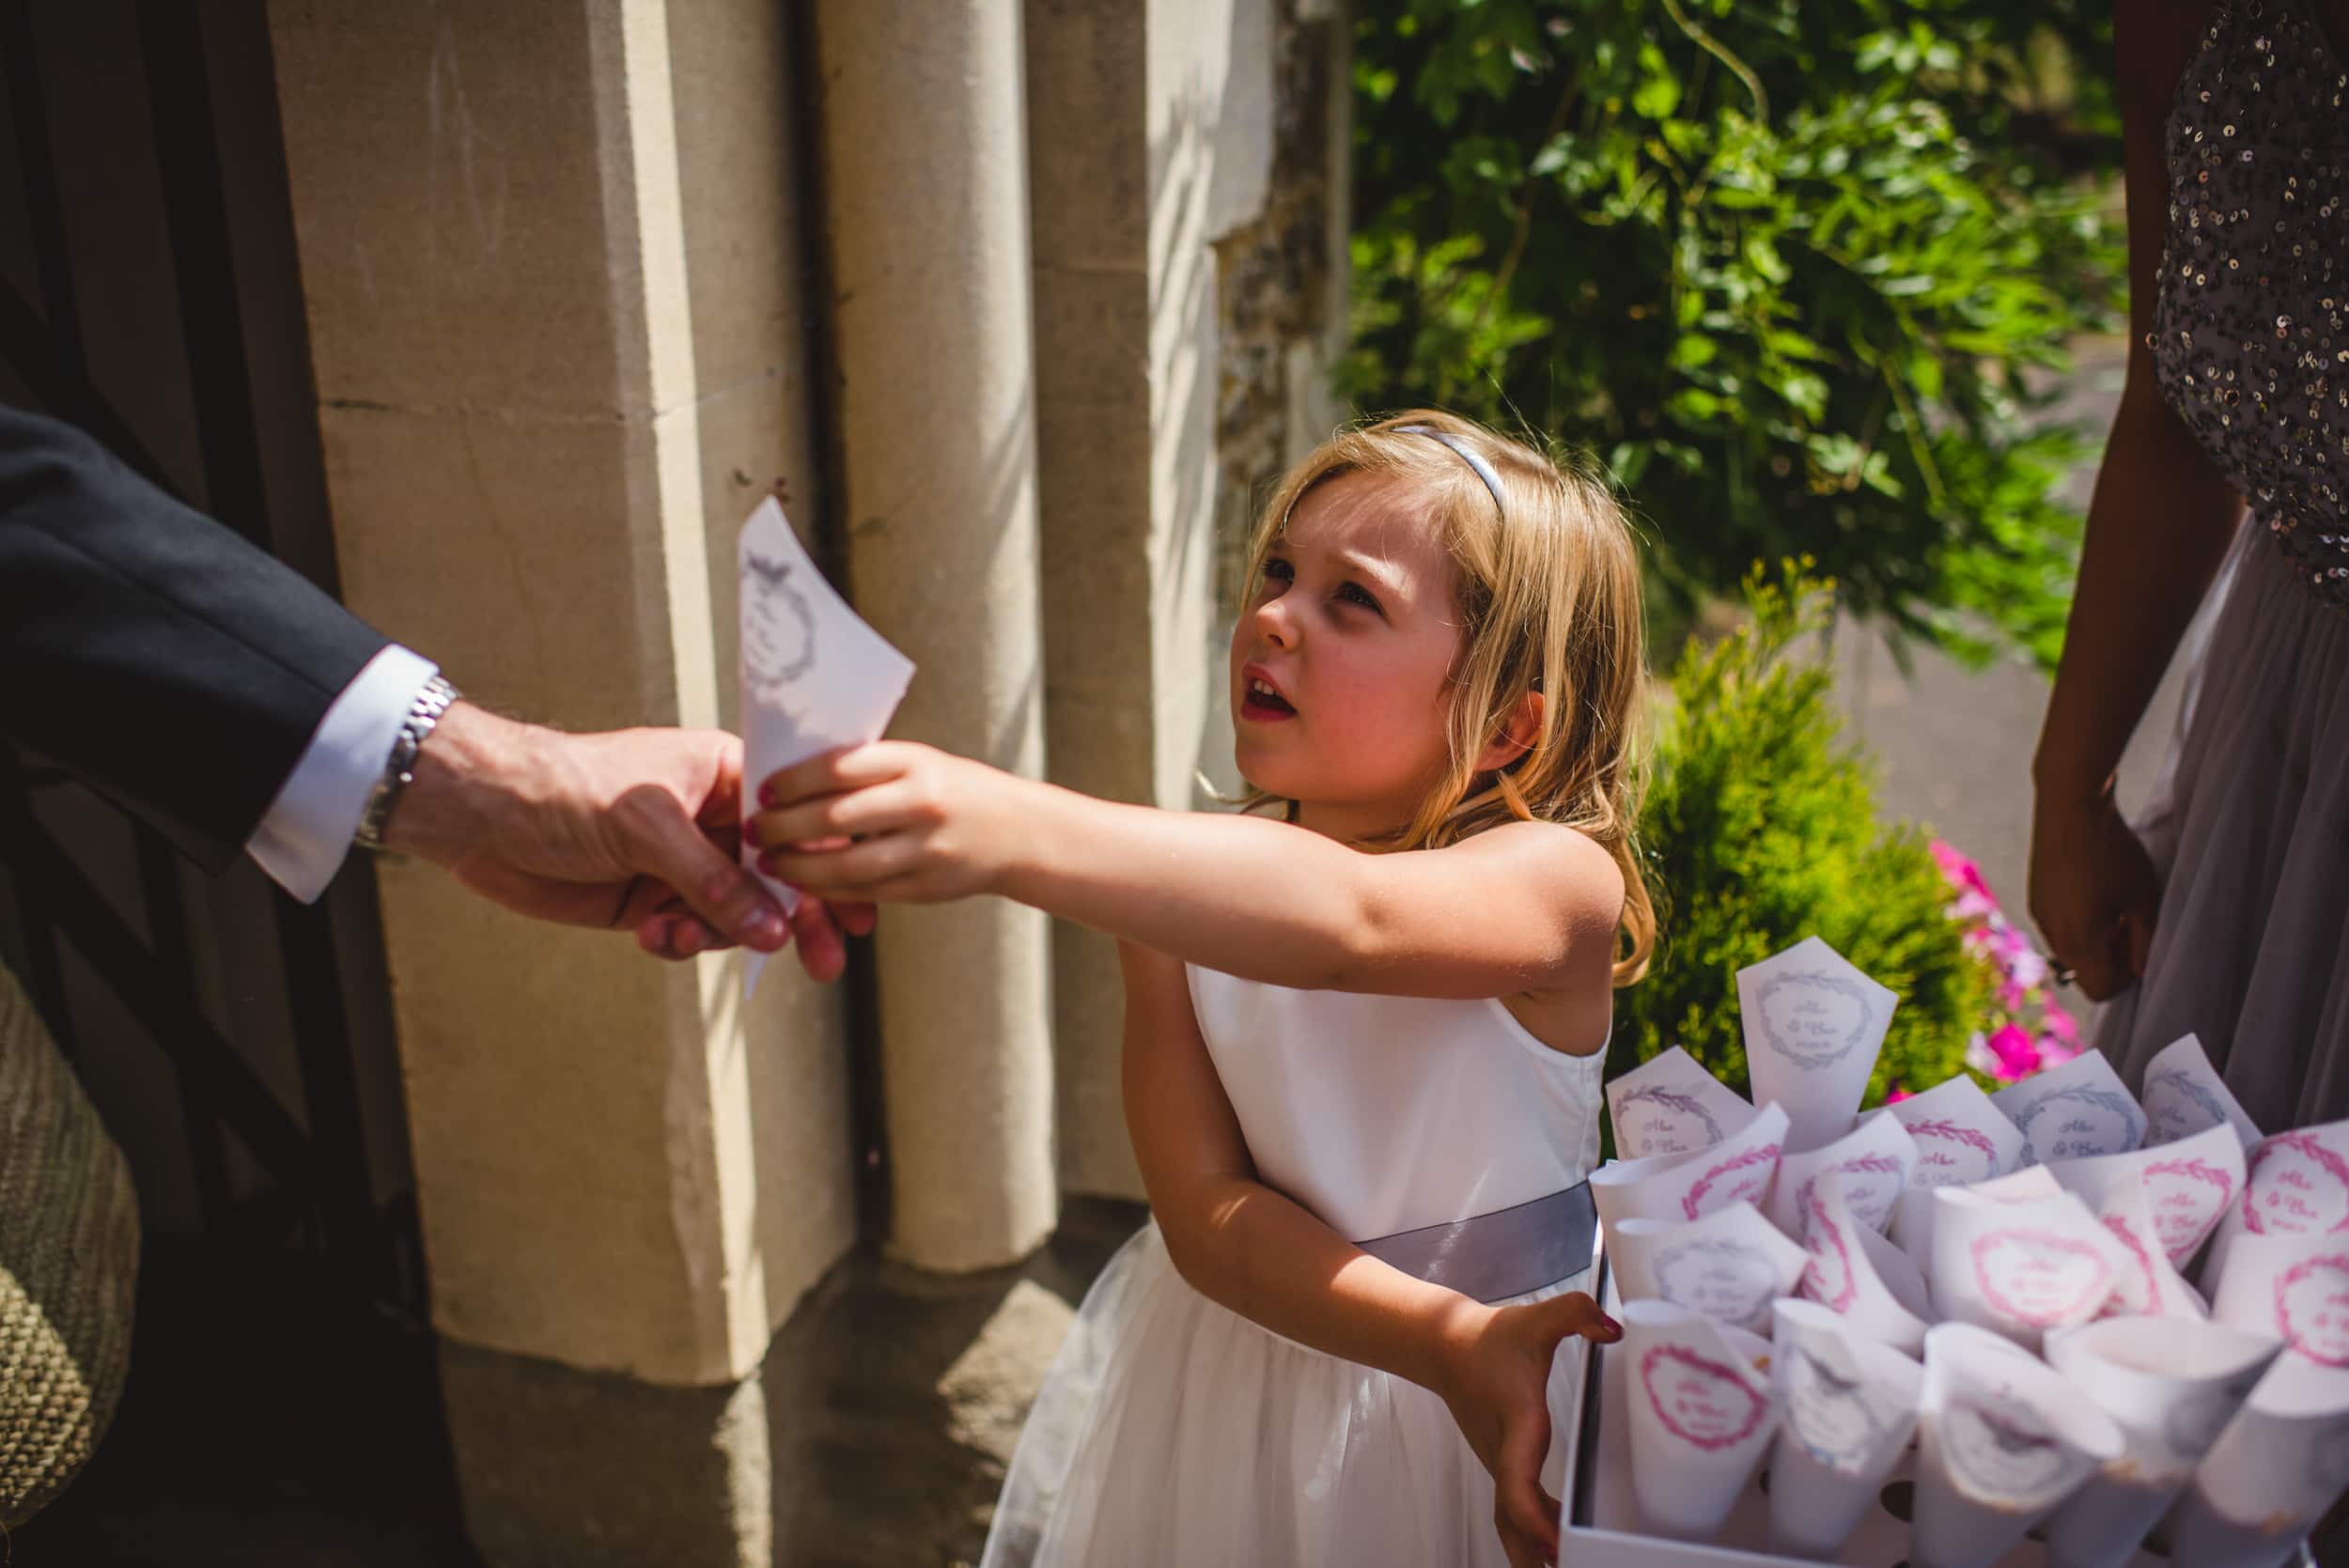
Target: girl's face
(1354, 631)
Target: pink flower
(2017, 1045)
(1895, 1093)
(1974, 906)
(1963, 875)
(2020, 959)
(2017, 1055)
(1978, 1054)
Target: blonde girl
(1365, 1022)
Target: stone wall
(563, 292)
(1281, 282)
(1189, 268)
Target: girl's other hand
(2094, 891)
(1497, 1386)
(820, 930)
(892, 822)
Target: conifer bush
(1760, 829)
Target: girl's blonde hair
(1548, 598)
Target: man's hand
(893, 821)
(633, 829)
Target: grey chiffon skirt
(2250, 832)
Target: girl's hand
(675, 931)
(1497, 1384)
(2094, 891)
(892, 822)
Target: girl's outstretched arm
(1239, 1243)
(1524, 907)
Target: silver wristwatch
(399, 768)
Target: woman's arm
(2160, 523)
(1524, 907)
(1266, 1257)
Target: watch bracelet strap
(432, 700)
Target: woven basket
(69, 1265)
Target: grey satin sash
(1506, 1252)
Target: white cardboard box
(1601, 1527)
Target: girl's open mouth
(1262, 701)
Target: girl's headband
(1467, 454)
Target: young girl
(1363, 1039)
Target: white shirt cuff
(307, 830)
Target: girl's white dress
(1171, 1430)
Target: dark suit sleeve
(149, 650)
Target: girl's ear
(1524, 727)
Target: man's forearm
(471, 770)
(149, 649)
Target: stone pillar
(1088, 151)
(926, 184)
(1151, 137)
(547, 389)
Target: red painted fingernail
(750, 832)
(766, 797)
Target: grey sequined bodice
(2251, 327)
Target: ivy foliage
(1792, 268)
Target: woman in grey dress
(2230, 450)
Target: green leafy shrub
(1784, 264)
(1760, 829)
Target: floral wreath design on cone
(1962, 1135)
(2292, 1143)
(1736, 1428)
(1692, 1204)
(1679, 1104)
(1810, 1057)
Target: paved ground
(264, 1424)
(265, 1429)
(896, 1396)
